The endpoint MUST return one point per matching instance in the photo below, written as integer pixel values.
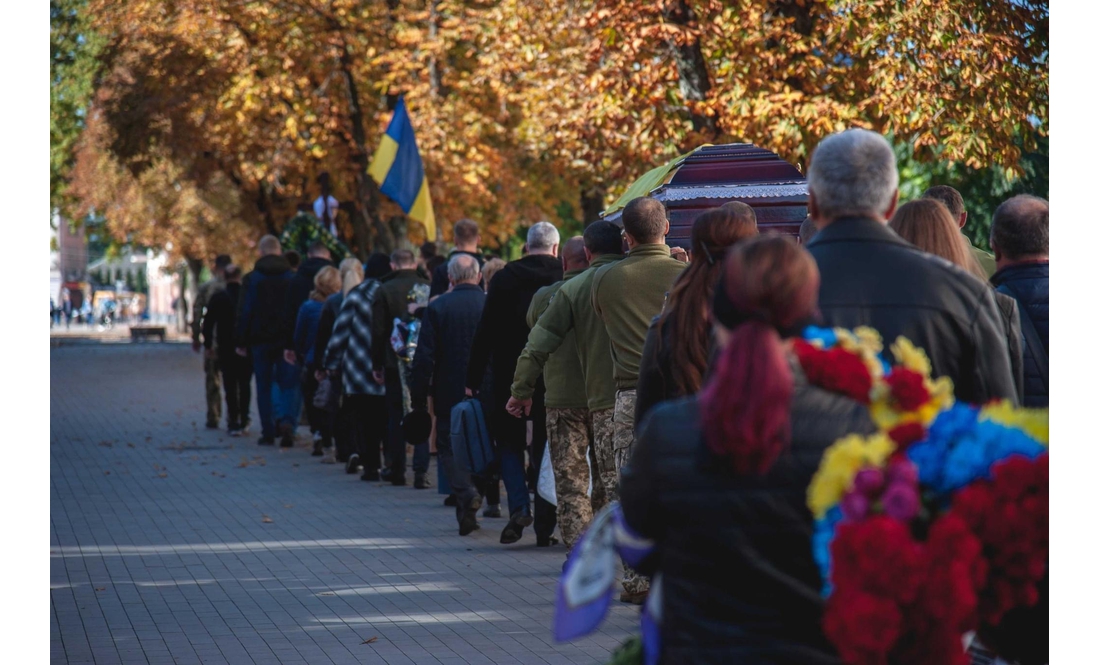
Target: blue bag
(470, 441)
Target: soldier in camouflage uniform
(627, 295)
(210, 361)
(569, 319)
(567, 427)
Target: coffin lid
(715, 174)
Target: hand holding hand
(241, 351)
(379, 377)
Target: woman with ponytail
(679, 343)
(718, 480)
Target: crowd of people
(665, 383)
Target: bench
(144, 332)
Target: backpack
(470, 442)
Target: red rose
(907, 388)
(906, 434)
(835, 370)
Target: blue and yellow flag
(398, 170)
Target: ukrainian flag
(398, 170)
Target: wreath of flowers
(936, 524)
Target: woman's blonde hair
(930, 226)
(351, 273)
(491, 268)
(325, 283)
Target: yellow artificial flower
(839, 465)
(1034, 422)
(869, 339)
(911, 357)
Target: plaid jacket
(349, 348)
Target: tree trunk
(592, 203)
(365, 214)
(692, 67)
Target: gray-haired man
(871, 277)
(500, 339)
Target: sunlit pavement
(171, 543)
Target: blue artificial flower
(932, 454)
(827, 336)
(824, 532)
(959, 449)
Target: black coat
(297, 292)
(263, 299)
(871, 277)
(443, 349)
(502, 334)
(1029, 284)
(221, 318)
(739, 579)
(325, 326)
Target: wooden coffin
(713, 175)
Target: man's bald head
(644, 219)
(463, 269)
(572, 254)
(1021, 229)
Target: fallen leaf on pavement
(100, 588)
(106, 444)
(106, 473)
(288, 505)
(370, 640)
(130, 445)
(267, 520)
(162, 475)
(244, 462)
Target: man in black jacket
(871, 277)
(467, 236)
(401, 288)
(219, 326)
(317, 257)
(501, 336)
(259, 317)
(439, 370)
(1021, 239)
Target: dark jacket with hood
(871, 277)
(262, 302)
(1029, 284)
(502, 332)
(297, 293)
(219, 324)
(740, 584)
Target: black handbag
(327, 397)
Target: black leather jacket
(871, 277)
(740, 582)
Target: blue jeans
(288, 396)
(273, 372)
(515, 479)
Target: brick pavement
(170, 543)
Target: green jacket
(563, 375)
(202, 299)
(571, 309)
(626, 297)
(984, 258)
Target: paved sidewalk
(170, 543)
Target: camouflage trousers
(213, 391)
(623, 445)
(570, 434)
(603, 459)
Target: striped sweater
(349, 349)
